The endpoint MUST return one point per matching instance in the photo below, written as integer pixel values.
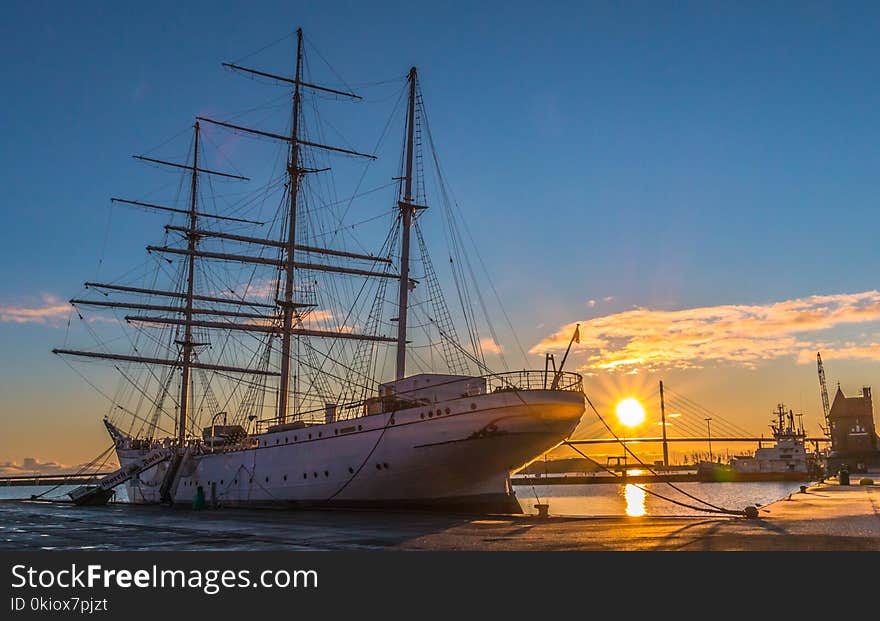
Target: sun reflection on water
(635, 500)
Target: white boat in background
(785, 460)
(288, 351)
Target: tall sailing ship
(264, 341)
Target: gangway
(102, 491)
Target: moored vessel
(252, 318)
(786, 460)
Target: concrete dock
(826, 517)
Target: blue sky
(658, 155)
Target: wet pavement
(826, 517)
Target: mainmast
(407, 209)
(293, 174)
(187, 343)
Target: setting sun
(630, 412)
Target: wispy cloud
(32, 465)
(50, 310)
(489, 346)
(738, 334)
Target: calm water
(600, 499)
(608, 499)
(24, 492)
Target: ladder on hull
(102, 492)
(171, 480)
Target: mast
(186, 356)
(293, 174)
(407, 208)
(287, 317)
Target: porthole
(315, 474)
(326, 473)
(431, 414)
(267, 479)
(276, 440)
(391, 422)
(221, 481)
(335, 432)
(305, 475)
(350, 470)
(285, 439)
(359, 427)
(310, 436)
(384, 465)
(448, 410)
(285, 477)
(295, 438)
(473, 406)
(320, 433)
(378, 466)
(422, 415)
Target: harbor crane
(825, 407)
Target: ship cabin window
(359, 427)
(326, 473)
(473, 406)
(285, 477)
(350, 470)
(310, 436)
(315, 474)
(267, 479)
(422, 415)
(430, 414)
(320, 433)
(285, 439)
(295, 438)
(448, 410)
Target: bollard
(803, 489)
(199, 498)
(543, 510)
(843, 477)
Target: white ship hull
(457, 453)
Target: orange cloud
(489, 346)
(738, 334)
(50, 311)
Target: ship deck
(826, 517)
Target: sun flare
(630, 412)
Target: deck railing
(495, 382)
(534, 380)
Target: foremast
(187, 344)
(293, 175)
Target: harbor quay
(824, 517)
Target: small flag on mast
(577, 333)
